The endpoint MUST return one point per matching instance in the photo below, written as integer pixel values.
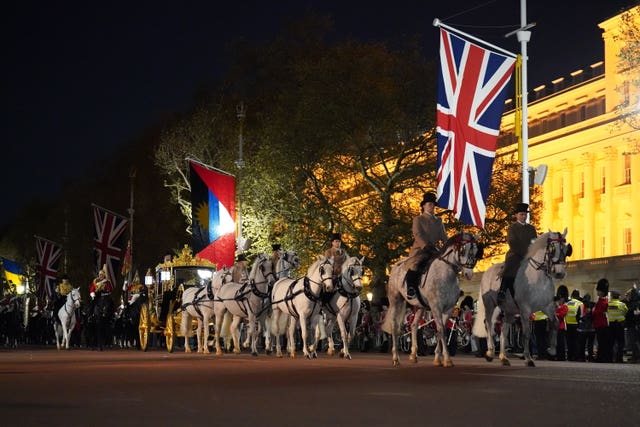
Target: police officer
(616, 312)
(575, 309)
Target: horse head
(557, 251)
(321, 273)
(287, 261)
(75, 298)
(463, 251)
(352, 270)
(262, 271)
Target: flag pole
(438, 23)
(524, 35)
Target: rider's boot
(506, 283)
(412, 279)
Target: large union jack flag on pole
(108, 232)
(48, 259)
(472, 85)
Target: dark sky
(80, 79)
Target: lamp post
(240, 112)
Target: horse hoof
(437, 362)
(488, 358)
(448, 364)
(396, 363)
(505, 362)
(531, 364)
(219, 352)
(254, 353)
(348, 356)
(236, 351)
(331, 352)
(413, 358)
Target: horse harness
(548, 261)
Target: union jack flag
(109, 228)
(48, 259)
(472, 84)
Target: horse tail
(479, 329)
(225, 330)
(397, 318)
(185, 324)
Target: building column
(566, 214)
(612, 235)
(588, 205)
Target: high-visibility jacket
(573, 305)
(538, 315)
(616, 311)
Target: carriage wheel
(169, 330)
(143, 327)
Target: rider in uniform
(240, 271)
(62, 290)
(428, 231)
(101, 286)
(519, 237)
(337, 253)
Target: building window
(582, 249)
(627, 241)
(583, 113)
(603, 251)
(603, 181)
(627, 168)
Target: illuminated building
(593, 160)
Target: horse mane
(539, 243)
(451, 240)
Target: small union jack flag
(109, 228)
(472, 85)
(48, 259)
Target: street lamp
(241, 113)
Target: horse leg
(206, 318)
(504, 336)
(252, 334)
(275, 329)
(185, 329)
(345, 338)
(235, 334)
(526, 337)
(57, 330)
(394, 333)
(490, 327)
(413, 356)
(217, 328)
(444, 349)
(331, 345)
(553, 329)
(291, 344)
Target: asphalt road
(133, 388)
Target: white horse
(301, 299)
(66, 319)
(197, 302)
(248, 300)
(287, 261)
(344, 305)
(533, 291)
(439, 291)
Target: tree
(628, 35)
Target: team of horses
(273, 305)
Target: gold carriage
(162, 313)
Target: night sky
(82, 79)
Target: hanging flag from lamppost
(472, 84)
(48, 259)
(213, 214)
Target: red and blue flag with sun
(213, 214)
(472, 85)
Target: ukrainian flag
(12, 271)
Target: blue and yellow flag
(12, 271)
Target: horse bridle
(73, 304)
(288, 265)
(548, 261)
(341, 289)
(459, 245)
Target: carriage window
(627, 241)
